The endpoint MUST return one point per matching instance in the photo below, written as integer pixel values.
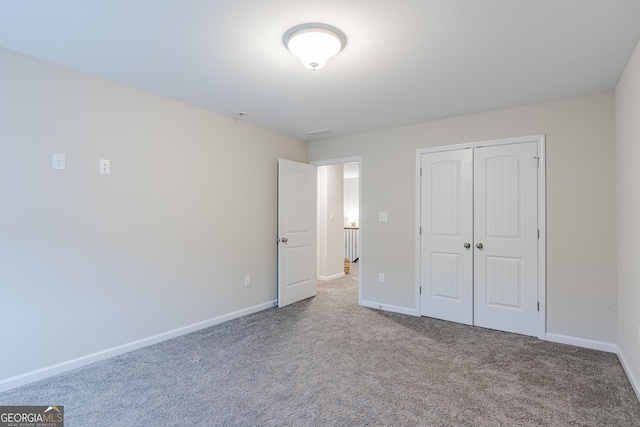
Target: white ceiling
(406, 61)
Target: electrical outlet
(105, 167)
(247, 280)
(380, 277)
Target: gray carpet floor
(328, 362)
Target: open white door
(297, 231)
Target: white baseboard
(581, 342)
(602, 346)
(327, 278)
(632, 379)
(392, 308)
(49, 371)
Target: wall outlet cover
(105, 167)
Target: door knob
(467, 245)
(284, 240)
(479, 246)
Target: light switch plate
(59, 161)
(383, 217)
(105, 167)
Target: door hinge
(421, 230)
(538, 233)
(538, 159)
(420, 171)
(538, 305)
(420, 290)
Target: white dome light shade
(314, 44)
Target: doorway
(481, 219)
(339, 228)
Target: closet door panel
(447, 219)
(505, 237)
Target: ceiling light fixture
(314, 43)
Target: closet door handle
(479, 246)
(467, 245)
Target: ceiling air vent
(319, 132)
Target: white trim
(360, 231)
(418, 216)
(332, 277)
(337, 161)
(49, 371)
(392, 308)
(582, 342)
(600, 346)
(542, 241)
(542, 245)
(344, 160)
(632, 379)
(478, 144)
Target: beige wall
(580, 160)
(89, 262)
(628, 216)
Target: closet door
(446, 238)
(505, 237)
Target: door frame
(341, 161)
(542, 241)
